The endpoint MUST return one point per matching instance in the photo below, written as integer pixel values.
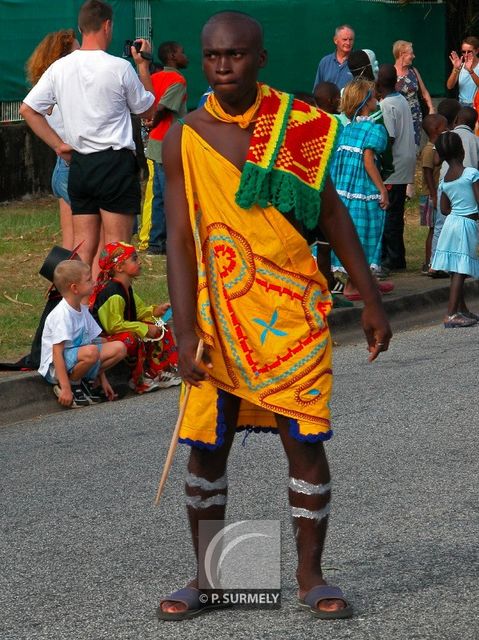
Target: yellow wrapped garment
(262, 308)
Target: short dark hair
(238, 16)
(449, 108)
(387, 76)
(432, 121)
(449, 146)
(467, 116)
(167, 49)
(325, 92)
(305, 97)
(93, 13)
(327, 96)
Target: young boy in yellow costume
(244, 173)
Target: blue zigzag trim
(294, 431)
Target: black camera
(135, 43)
(128, 45)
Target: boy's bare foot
(327, 604)
(172, 606)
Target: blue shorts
(70, 356)
(60, 180)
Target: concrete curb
(395, 306)
(26, 395)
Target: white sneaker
(149, 384)
(168, 379)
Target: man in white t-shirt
(95, 93)
(399, 124)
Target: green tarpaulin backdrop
(23, 23)
(298, 33)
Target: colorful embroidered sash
(262, 309)
(288, 158)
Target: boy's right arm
(181, 259)
(389, 119)
(66, 397)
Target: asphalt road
(85, 555)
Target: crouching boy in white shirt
(71, 348)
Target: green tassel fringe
(281, 190)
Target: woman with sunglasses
(465, 71)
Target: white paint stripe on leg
(298, 512)
(196, 502)
(301, 486)
(206, 485)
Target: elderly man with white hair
(334, 66)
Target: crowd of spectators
(82, 99)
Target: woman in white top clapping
(465, 71)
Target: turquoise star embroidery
(269, 327)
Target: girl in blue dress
(356, 176)
(457, 247)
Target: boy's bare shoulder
(195, 119)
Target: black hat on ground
(56, 255)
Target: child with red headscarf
(151, 349)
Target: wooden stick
(24, 304)
(176, 431)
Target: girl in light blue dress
(457, 247)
